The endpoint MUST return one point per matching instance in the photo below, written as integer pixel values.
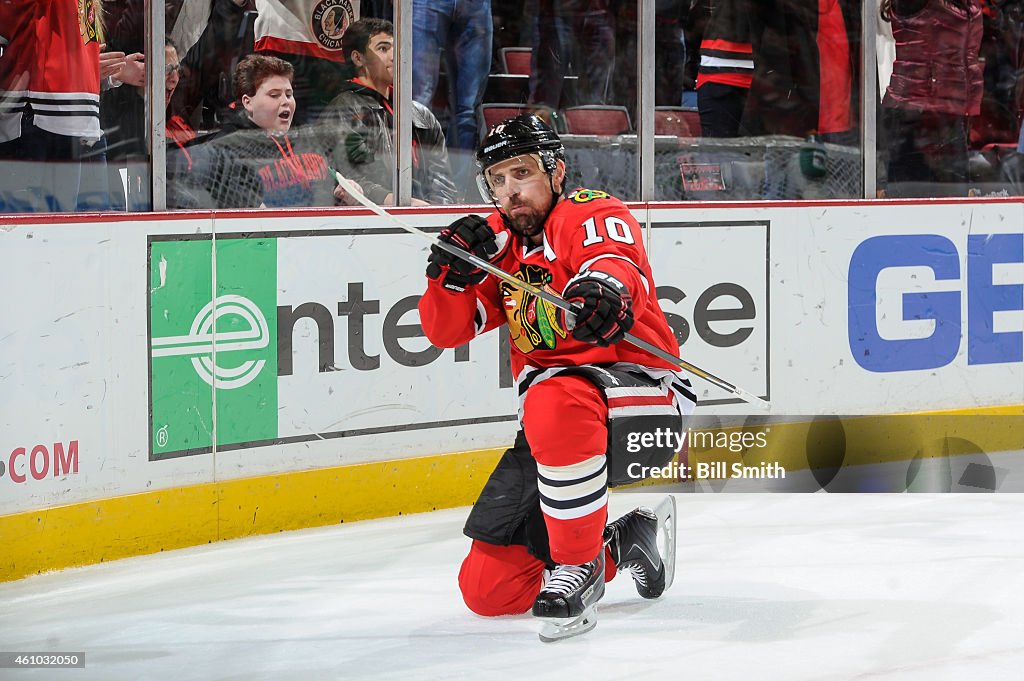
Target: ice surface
(786, 586)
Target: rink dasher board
(753, 287)
(78, 365)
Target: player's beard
(528, 223)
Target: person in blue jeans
(573, 37)
(463, 31)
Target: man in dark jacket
(358, 125)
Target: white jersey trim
(72, 114)
(643, 410)
(636, 392)
(281, 20)
(549, 252)
(674, 382)
(719, 62)
(481, 314)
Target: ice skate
(633, 543)
(568, 602)
(666, 512)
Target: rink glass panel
(574, 54)
(52, 157)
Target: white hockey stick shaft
(547, 296)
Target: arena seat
(597, 119)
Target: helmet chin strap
(555, 195)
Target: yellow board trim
(149, 522)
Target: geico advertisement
(919, 302)
(712, 283)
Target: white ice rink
(787, 586)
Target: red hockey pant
(504, 580)
(565, 419)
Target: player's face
(523, 191)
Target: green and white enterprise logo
(211, 346)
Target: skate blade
(666, 512)
(557, 629)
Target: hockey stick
(546, 296)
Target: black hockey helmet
(526, 133)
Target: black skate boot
(568, 602)
(633, 542)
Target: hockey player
(581, 392)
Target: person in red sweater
(581, 391)
(51, 142)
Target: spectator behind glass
(54, 54)
(255, 162)
(463, 32)
(123, 112)
(573, 37)
(936, 84)
(358, 126)
(209, 47)
(670, 16)
(308, 34)
(726, 66)
(805, 69)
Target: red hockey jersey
(51, 66)
(589, 230)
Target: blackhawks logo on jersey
(532, 323)
(587, 195)
(330, 20)
(88, 24)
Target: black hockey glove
(471, 234)
(606, 308)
